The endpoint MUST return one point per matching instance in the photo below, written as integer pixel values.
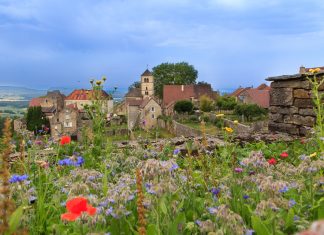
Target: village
(285, 106)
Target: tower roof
(147, 73)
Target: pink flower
(238, 169)
(272, 161)
(284, 155)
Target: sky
(60, 43)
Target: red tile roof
(259, 97)
(35, 102)
(83, 95)
(173, 93)
(238, 91)
(263, 86)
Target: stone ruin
(291, 105)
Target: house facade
(193, 92)
(259, 96)
(141, 107)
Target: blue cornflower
(291, 203)
(296, 218)
(109, 211)
(284, 189)
(246, 196)
(18, 178)
(70, 162)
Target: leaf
(290, 218)
(15, 219)
(320, 210)
(152, 229)
(163, 206)
(259, 227)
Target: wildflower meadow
(93, 187)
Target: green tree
(205, 103)
(136, 84)
(250, 111)
(183, 106)
(35, 119)
(173, 73)
(226, 103)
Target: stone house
(20, 125)
(193, 92)
(83, 97)
(291, 106)
(140, 104)
(249, 95)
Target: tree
(205, 103)
(183, 106)
(173, 73)
(226, 103)
(250, 111)
(35, 119)
(135, 84)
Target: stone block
(307, 112)
(305, 131)
(302, 93)
(304, 120)
(291, 84)
(283, 127)
(276, 117)
(281, 96)
(303, 103)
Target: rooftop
(83, 94)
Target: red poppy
(75, 208)
(65, 140)
(284, 155)
(272, 161)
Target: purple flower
(109, 211)
(18, 178)
(215, 191)
(212, 210)
(284, 190)
(174, 167)
(246, 196)
(296, 218)
(291, 203)
(249, 232)
(238, 169)
(176, 151)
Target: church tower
(147, 84)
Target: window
(67, 116)
(67, 124)
(152, 109)
(153, 116)
(145, 88)
(146, 80)
(46, 100)
(146, 92)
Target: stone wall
(291, 106)
(183, 130)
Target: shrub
(206, 103)
(226, 103)
(249, 110)
(183, 106)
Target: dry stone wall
(291, 106)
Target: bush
(194, 118)
(226, 103)
(183, 106)
(206, 103)
(249, 111)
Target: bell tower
(147, 84)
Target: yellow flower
(220, 115)
(228, 129)
(98, 82)
(236, 122)
(313, 154)
(317, 70)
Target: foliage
(173, 73)
(35, 119)
(205, 103)
(135, 84)
(249, 110)
(183, 106)
(226, 103)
